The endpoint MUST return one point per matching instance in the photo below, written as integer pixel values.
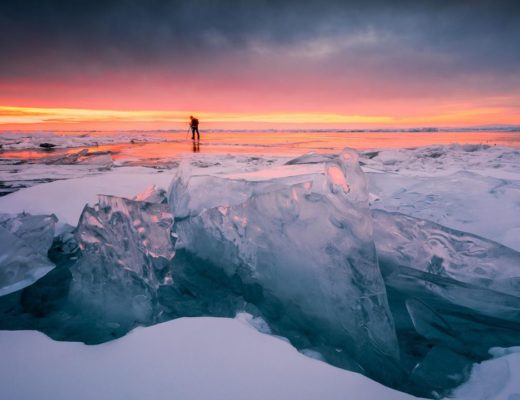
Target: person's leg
(198, 133)
(192, 133)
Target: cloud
(43, 36)
(296, 55)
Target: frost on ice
(301, 246)
(24, 242)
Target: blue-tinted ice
(401, 299)
(24, 242)
(304, 241)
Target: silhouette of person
(194, 125)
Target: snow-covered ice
(495, 379)
(470, 188)
(444, 217)
(66, 198)
(188, 358)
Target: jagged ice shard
(24, 242)
(462, 268)
(458, 291)
(299, 240)
(126, 252)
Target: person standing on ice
(194, 125)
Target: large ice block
(126, 252)
(129, 234)
(423, 257)
(24, 242)
(300, 242)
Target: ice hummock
(439, 338)
(301, 245)
(136, 235)
(24, 242)
(109, 269)
(451, 264)
(126, 251)
(457, 291)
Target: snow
(66, 198)
(467, 201)
(188, 358)
(495, 379)
(474, 189)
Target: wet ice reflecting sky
(158, 146)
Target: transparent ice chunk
(24, 242)
(301, 245)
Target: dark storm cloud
(43, 37)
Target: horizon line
(423, 129)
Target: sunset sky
(113, 64)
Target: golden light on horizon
(70, 118)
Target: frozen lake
(440, 209)
(161, 146)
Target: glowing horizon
(33, 118)
(286, 64)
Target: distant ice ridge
(24, 242)
(444, 160)
(301, 245)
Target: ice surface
(457, 291)
(189, 195)
(437, 160)
(24, 242)
(66, 198)
(467, 201)
(446, 316)
(102, 160)
(303, 252)
(472, 188)
(109, 270)
(32, 140)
